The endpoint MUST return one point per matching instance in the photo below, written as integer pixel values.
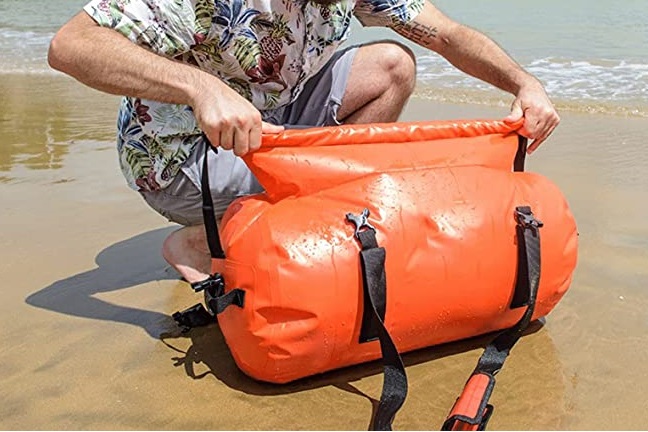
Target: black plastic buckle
(213, 291)
(195, 316)
(215, 282)
(361, 222)
(524, 217)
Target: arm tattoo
(419, 33)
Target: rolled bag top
(441, 196)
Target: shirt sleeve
(167, 27)
(387, 13)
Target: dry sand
(87, 342)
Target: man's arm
(477, 55)
(105, 60)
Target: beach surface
(88, 342)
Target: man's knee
(399, 62)
(178, 242)
(171, 244)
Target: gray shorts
(229, 177)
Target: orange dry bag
(374, 240)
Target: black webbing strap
(520, 155)
(211, 227)
(372, 259)
(218, 302)
(471, 410)
(214, 286)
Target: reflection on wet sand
(41, 116)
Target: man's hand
(540, 116)
(475, 54)
(229, 120)
(105, 60)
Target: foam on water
(604, 79)
(606, 86)
(24, 51)
(591, 85)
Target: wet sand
(87, 342)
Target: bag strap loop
(471, 411)
(374, 283)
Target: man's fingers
(515, 114)
(540, 116)
(270, 128)
(536, 143)
(227, 138)
(255, 139)
(544, 127)
(214, 139)
(536, 125)
(241, 142)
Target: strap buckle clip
(213, 282)
(195, 316)
(525, 219)
(361, 222)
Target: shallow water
(41, 116)
(591, 56)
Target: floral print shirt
(264, 49)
